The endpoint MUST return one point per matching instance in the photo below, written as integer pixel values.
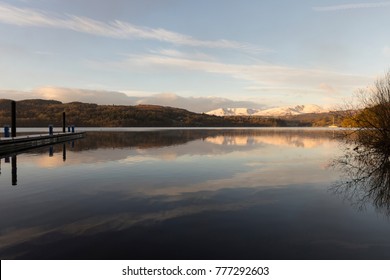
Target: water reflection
(236, 146)
(171, 144)
(366, 177)
(235, 137)
(14, 171)
(14, 158)
(64, 152)
(184, 194)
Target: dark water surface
(185, 194)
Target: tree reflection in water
(366, 176)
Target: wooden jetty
(15, 144)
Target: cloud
(352, 6)
(69, 95)
(176, 53)
(115, 29)
(194, 104)
(83, 95)
(327, 88)
(262, 76)
(271, 85)
(16, 95)
(197, 104)
(386, 51)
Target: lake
(186, 194)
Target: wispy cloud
(386, 51)
(352, 6)
(179, 54)
(262, 75)
(327, 88)
(197, 104)
(128, 97)
(115, 29)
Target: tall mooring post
(13, 118)
(63, 121)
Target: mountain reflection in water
(190, 194)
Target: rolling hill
(41, 113)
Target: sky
(198, 55)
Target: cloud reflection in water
(118, 182)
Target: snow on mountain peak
(309, 108)
(272, 112)
(232, 112)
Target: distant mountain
(41, 113)
(233, 112)
(292, 111)
(272, 112)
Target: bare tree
(373, 120)
(366, 161)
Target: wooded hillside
(41, 113)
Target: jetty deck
(25, 142)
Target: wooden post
(13, 118)
(63, 121)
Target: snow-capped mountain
(233, 112)
(272, 112)
(288, 111)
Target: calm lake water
(185, 194)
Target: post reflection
(13, 160)
(14, 171)
(64, 152)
